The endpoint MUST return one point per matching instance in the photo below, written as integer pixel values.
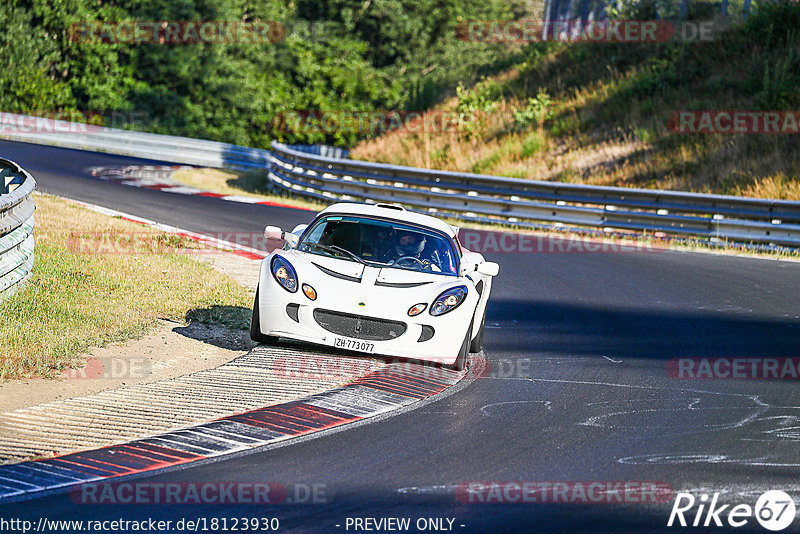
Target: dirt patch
(174, 349)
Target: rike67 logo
(774, 510)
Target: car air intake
(358, 326)
(426, 334)
(293, 311)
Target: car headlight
(284, 274)
(449, 300)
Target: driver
(409, 243)
(412, 244)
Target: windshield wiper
(351, 254)
(334, 248)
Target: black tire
(477, 343)
(255, 327)
(463, 354)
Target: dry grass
(610, 105)
(98, 280)
(649, 156)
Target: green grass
(533, 144)
(78, 299)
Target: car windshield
(381, 243)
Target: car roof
(390, 211)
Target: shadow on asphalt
(222, 326)
(625, 332)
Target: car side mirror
(489, 268)
(273, 232)
(276, 234)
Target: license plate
(353, 344)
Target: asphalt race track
(578, 390)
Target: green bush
(535, 113)
(336, 55)
(474, 108)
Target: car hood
(405, 278)
(333, 266)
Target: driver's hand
(429, 265)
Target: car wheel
(477, 343)
(463, 354)
(255, 327)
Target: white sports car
(375, 279)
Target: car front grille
(358, 326)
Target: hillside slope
(600, 113)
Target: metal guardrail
(169, 148)
(16, 227)
(323, 150)
(482, 198)
(470, 197)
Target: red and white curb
(158, 177)
(392, 387)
